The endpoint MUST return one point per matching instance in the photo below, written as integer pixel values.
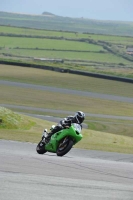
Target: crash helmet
(79, 117)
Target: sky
(118, 10)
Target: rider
(66, 122)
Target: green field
(86, 52)
(100, 58)
(34, 32)
(13, 42)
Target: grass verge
(59, 101)
(65, 80)
(91, 140)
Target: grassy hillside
(66, 24)
(86, 52)
(32, 133)
(19, 127)
(11, 120)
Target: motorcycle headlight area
(77, 127)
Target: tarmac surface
(80, 174)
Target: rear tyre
(64, 146)
(41, 148)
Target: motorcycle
(60, 142)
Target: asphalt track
(80, 175)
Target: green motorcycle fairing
(57, 137)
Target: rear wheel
(64, 146)
(41, 148)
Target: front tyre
(41, 148)
(64, 146)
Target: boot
(44, 134)
(47, 139)
(57, 128)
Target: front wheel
(64, 146)
(41, 148)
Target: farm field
(14, 42)
(100, 58)
(62, 34)
(85, 52)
